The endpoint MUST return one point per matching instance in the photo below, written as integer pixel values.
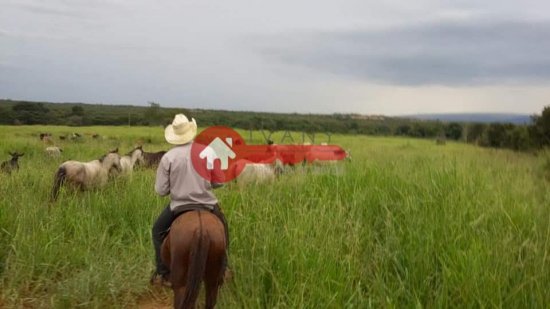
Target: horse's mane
(132, 151)
(105, 155)
(154, 153)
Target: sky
(315, 56)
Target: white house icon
(217, 149)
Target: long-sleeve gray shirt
(176, 176)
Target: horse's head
(15, 155)
(111, 161)
(137, 154)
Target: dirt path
(159, 298)
(154, 304)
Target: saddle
(215, 209)
(180, 210)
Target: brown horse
(152, 159)
(195, 250)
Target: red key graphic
(219, 154)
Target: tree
(475, 133)
(453, 131)
(153, 113)
(77, 110)
(518, 138)
(497, 135)
(31, 113)
(403, 129)
(6, 116)
(30, 106)
(382, 130)
(74, 120)
(539, 132)
(418, 130)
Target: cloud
(80, 10)
(54, 9)
(449, 53)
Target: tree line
(497, 135)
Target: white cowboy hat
(181, 131)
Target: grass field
(407, 224)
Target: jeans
(163, 223)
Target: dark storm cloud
(443, 53)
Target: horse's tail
(198, 256)
(59, 179)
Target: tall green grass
(407, 223)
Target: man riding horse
(188, 190)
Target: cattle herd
(96, 173)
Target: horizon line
(278, 112)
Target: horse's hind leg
(178, 278)
(179, 295)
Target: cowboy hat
(181, 131)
